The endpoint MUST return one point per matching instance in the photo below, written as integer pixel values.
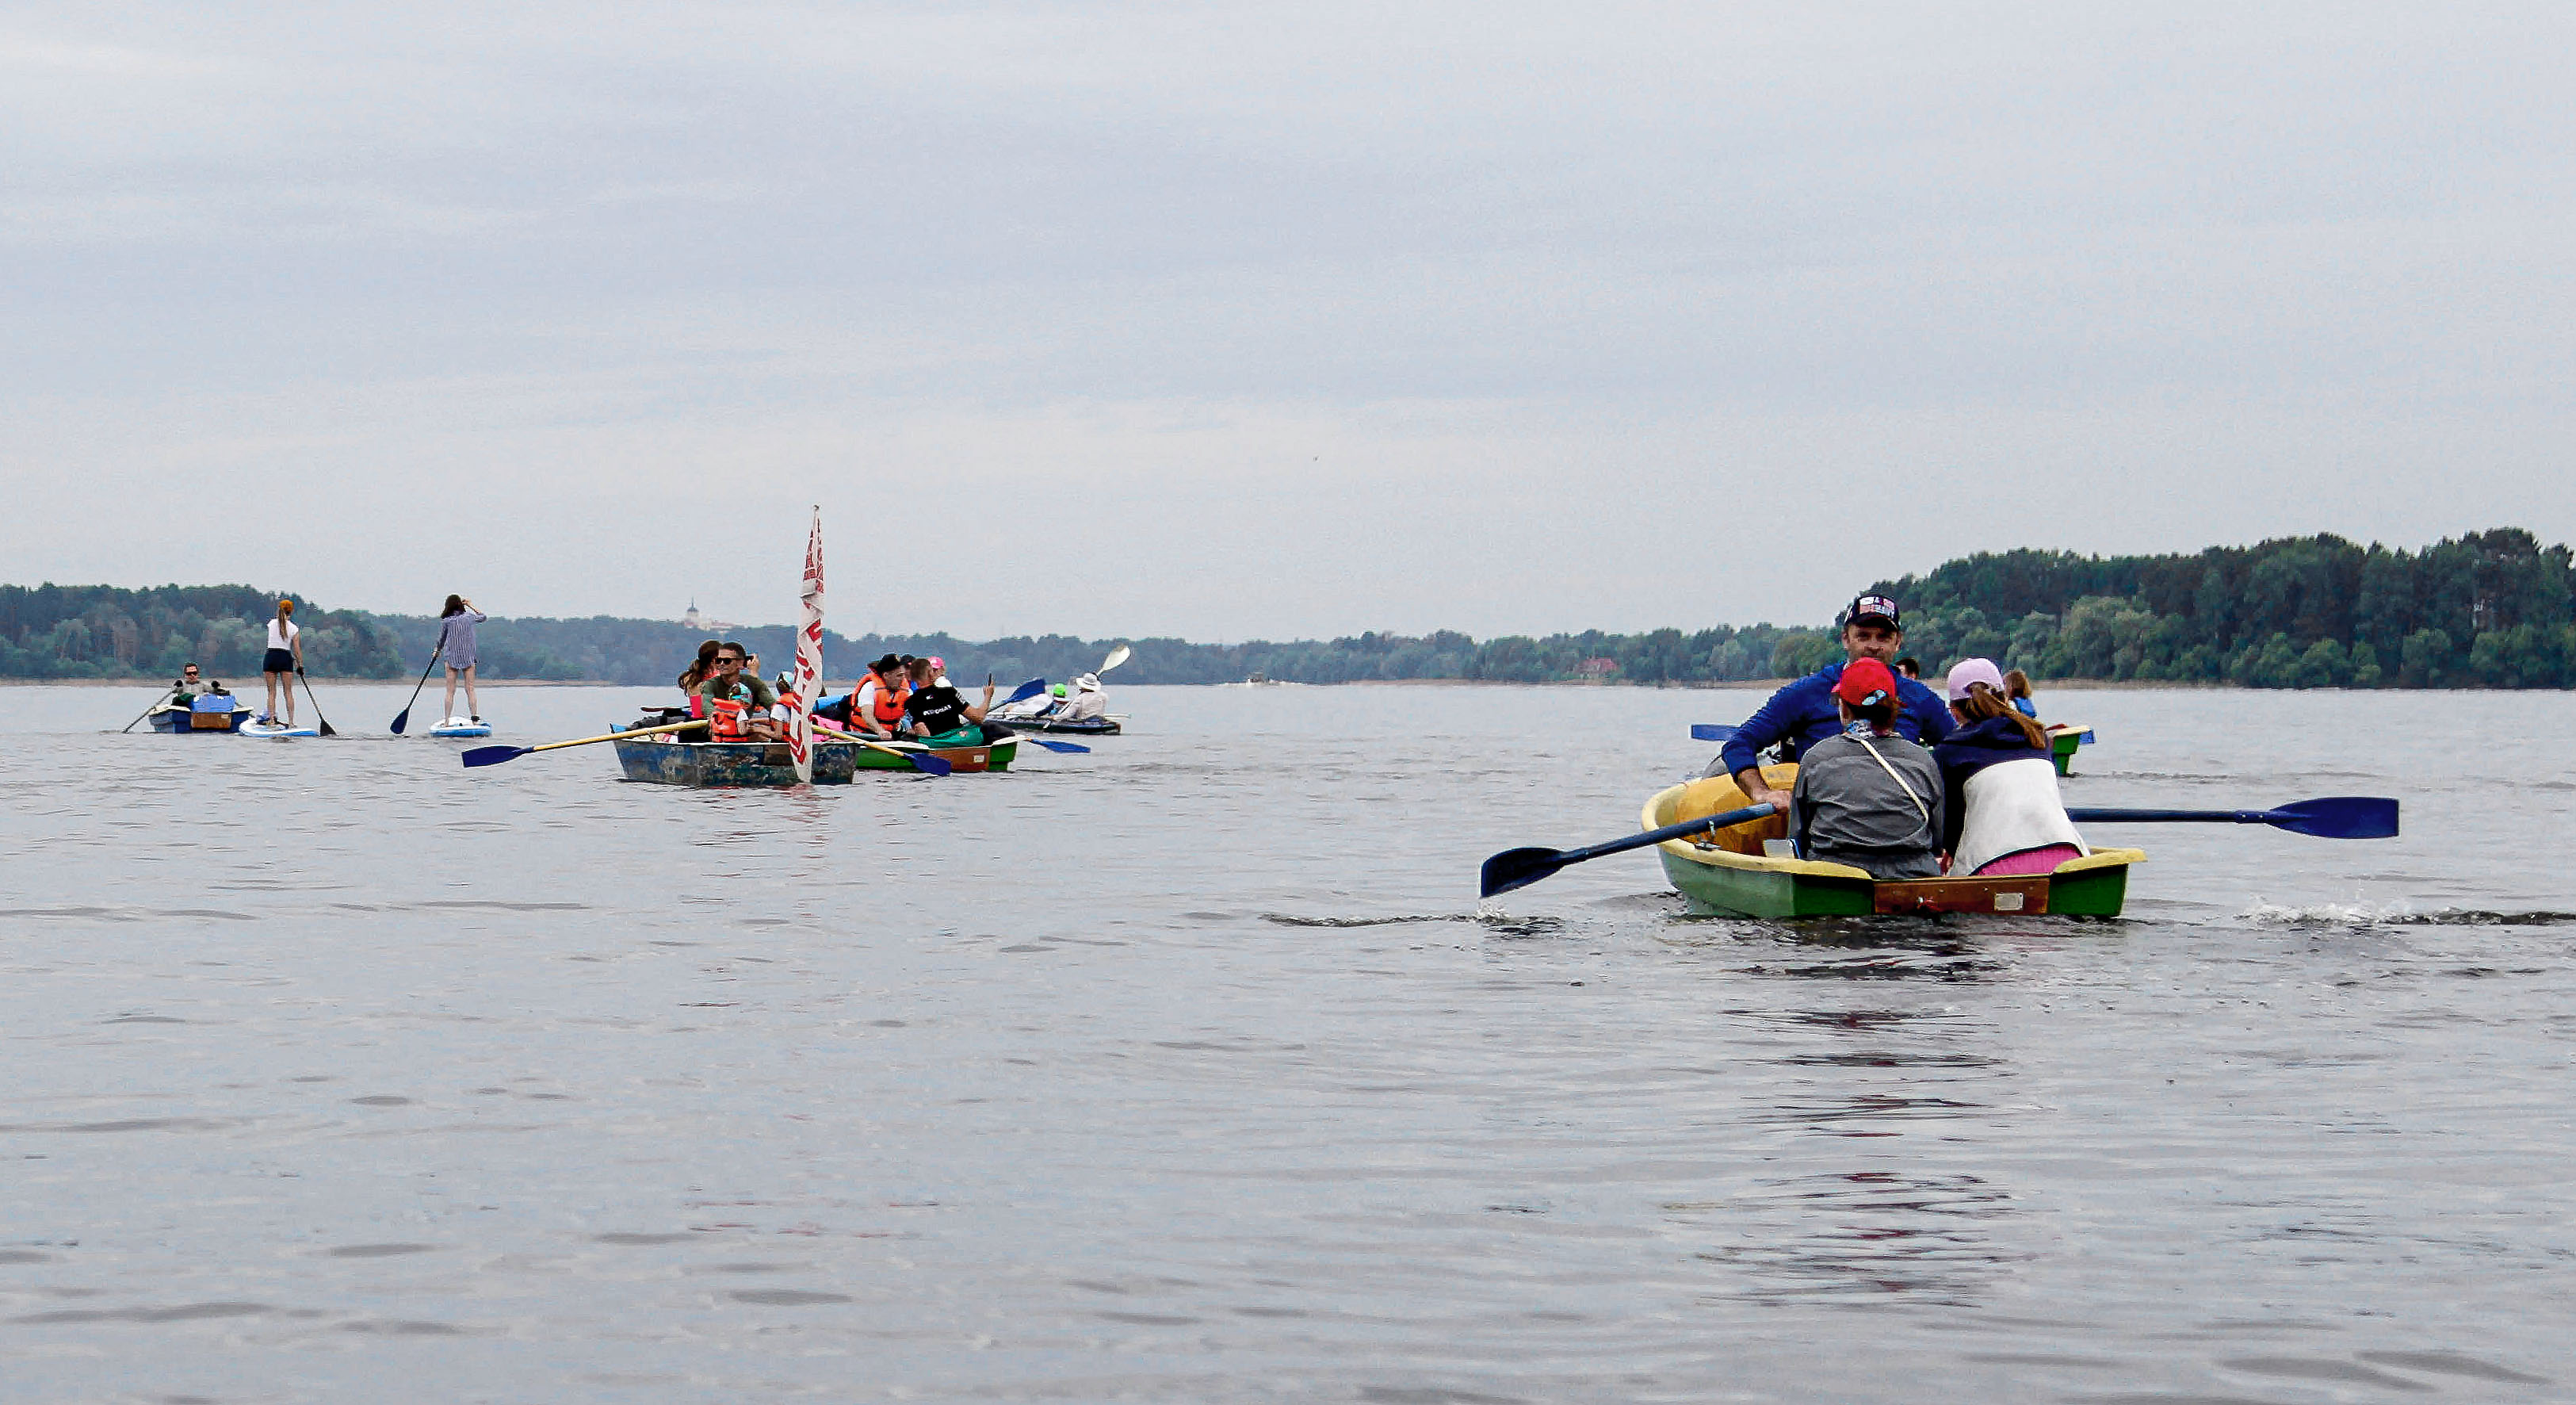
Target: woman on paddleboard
(456, 645)
(285, 655)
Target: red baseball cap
(1866, 682)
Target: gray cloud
(1219, 322)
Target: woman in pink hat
(2003, 813)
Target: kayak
(461, 727)
(214, 712)
(2063, 738)
(1085, 727)
(662, 761)
(1730, 872)
(277, 729)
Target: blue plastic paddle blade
(1053, 745)
(2339, 817)
(1517, 868)
(494, 755)
(925, 762)
(1711, 732)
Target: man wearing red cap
(1802, 713)
(1866, 796)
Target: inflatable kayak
(461, 727)
(1082, 727)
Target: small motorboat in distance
(1744, 870)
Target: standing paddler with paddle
(284, 659)
(456, 645)
(1805, 712)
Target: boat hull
(659, 761)
(180, 721)
(1089, 727)
(1733, 877)
(2063, 739)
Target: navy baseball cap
(1874, 607)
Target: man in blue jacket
(1803, 712)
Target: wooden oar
(495, 755)
(2334, 817)
(1519, 868)
(155, 707)
(317, 703)
(402, 719)
(921, 760)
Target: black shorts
(278, 661)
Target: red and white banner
(809, 659)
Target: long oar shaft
(2331, 817)
(495, 755)
(1518, 868)
(921, 759)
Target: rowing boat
(2063, 738)
(1730, 872)
(662, 761)
(211, 712)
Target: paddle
(2334, 817)
(317, 703)
(1048, 743)
(1116, 657)
(1711, 731)
(1519, 868)
(495, 755)
(402, 719)
(921, 760)
(1024, 692)
(155, 707)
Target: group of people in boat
(902, 697)
(1899, 781)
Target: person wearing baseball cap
(1866, 796)
(1804, 712)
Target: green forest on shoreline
(2486, 610)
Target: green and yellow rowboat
(2063, 738)
(1728, 872)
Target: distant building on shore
(703, 622)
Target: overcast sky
(1265, 320)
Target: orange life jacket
(888, 705)
(725, 719)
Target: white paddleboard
(461, 727)
(271, 729)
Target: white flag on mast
(809, 658)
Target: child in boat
(1999, 787)
(1867, 796)
(2016, 690)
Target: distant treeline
(101, 631)
(2487, 610)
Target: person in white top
(1088, 703)
(284, 659)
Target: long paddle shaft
(1519, 868)
(317, 703)
(402, 719)
(2333, 817)
(495, 755)
(921, 760)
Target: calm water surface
(1190, 1070)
